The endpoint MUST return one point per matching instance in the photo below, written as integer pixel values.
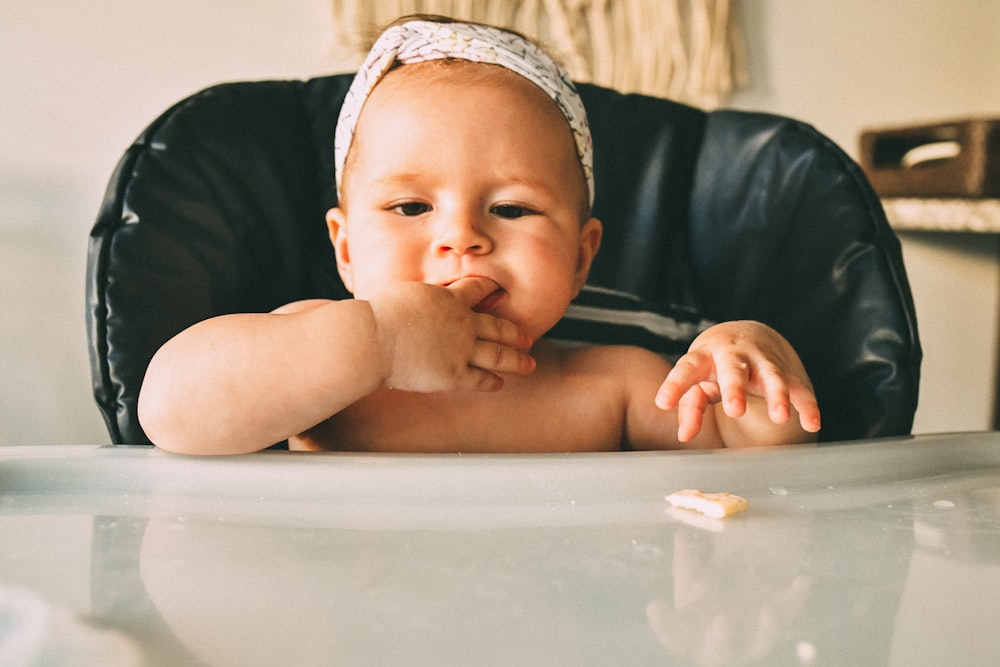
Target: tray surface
(885, 552)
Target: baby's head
(463, 150)
(437, 39)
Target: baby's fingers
(503, 332)
(782, 393)
(690, 369)
(471, 291)
(774, 389)
(500, 348)
(733, 375)
(691, 412)
(496, 358)
(804, 401)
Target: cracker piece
(715, 505)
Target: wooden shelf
(980, 216)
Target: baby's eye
(511, 211)
(411, 208)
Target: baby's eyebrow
(394, 183)
(396, 178)
(528, 182)
(541, 189)
(505, 180)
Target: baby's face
(466, 170)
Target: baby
(463, 230)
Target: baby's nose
(461, 236)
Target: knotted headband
(421, 41)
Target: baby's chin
(536, 330)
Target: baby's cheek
(551, 306)
(543, 274)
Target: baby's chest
(538, 416)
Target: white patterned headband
(420, 41)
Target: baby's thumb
(471, 291)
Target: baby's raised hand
(433, 340)
(731, 361)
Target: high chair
(218, 207)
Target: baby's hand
(730, 361)
(433, 340)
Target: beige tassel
(687, 50)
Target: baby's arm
(239, 383)
(752, 378)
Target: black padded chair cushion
(218, 207)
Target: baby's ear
(336, 223)
(590, 241)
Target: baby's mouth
(490, 301)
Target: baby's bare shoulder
(627, 372)
(616, 359)
(300, 306)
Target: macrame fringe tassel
(688, 50)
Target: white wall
(852, 64)
(80, 80)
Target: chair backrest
(218, 207)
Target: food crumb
(715, 505)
